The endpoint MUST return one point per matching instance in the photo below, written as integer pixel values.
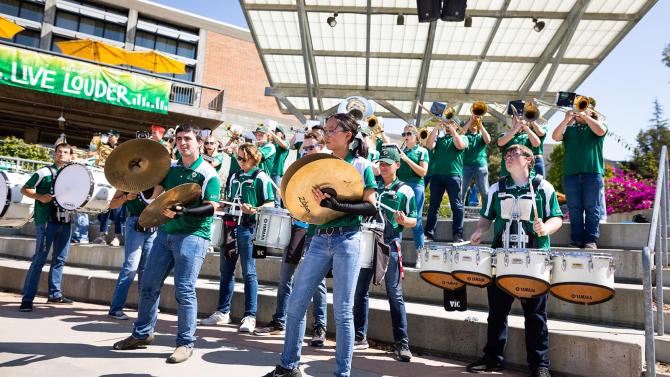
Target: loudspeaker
(428, 10)
(454, 10)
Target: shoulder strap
(502, 185)
(396, 186)
(536, 182)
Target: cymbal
(137, 165)
(326, 172)
(180, 195)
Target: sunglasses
(407, 134)
(210, 142)
(310, 147)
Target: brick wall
(235, 66)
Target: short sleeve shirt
(279, 161)
(475, 153)
(204, 175)
(540, 150)
(251, 190)
(405, 173)
(267, 161)
(42, 182)
(583, 151)
(400, 200)
(448, 160)
(545, 200)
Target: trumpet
(531, 113)
(581, 103)
(234, 132)
(375, 125)
(479, 109)
(423, 134)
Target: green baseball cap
(262, 129)
(389, 155)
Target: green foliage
(14, 147)
(666, 55)
(555, 176)
(445, 207)
(649, 144)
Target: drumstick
(532, 195)
(386, 207)
(461, 243)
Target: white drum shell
(473, 259)
(437, 258)
(82, 188)
(523, 262)
(217, 232)
(273, 228)
(16, 209)
(583, 268)
(366, 248)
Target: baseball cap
(389, 155)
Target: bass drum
(16, 209)
(81, 188)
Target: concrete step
(612, 236)
(663, 348)
(625, 309)
(575, 349)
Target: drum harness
(61, 216)
(521, 238)
(237, 198)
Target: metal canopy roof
(311, 66)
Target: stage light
(539, 25)
(468, 22)
(400, 20)
(332, 20)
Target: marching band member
(231, 150)
(447, 176)
(414, 161)
(139, 241)
(157, 133)
(519, 162)
(519, 134)
(181, 245)
(251, 187)
(118, 214)
(210, 148)
(541, 131)
(395, 194)
(335, 245)
(313, 143)
(282, 149)
(475, 158)
(53, 229)
(266, 148)
(583, 135)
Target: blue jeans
(319, 300)
(537, 334)
(583, 192)
(452, 185)
(419, 196)
(245, 238)
(117, 214)
(393, 284)
(80, 233)
(137, 248)
(277, 180)
(539, 165)
(481, 174)
(49, 234)
(185, 253)
(339, 251)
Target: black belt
(337, 230)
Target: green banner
(72, 78)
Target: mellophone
(575, 277)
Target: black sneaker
(279, 371)
(318, 338)
(576, 244)
(401, 352)
(272, 328)
(541, 372)
(484, 365)
(59, 300)
(132, 343)
(26, 306)
(458, 239)
(428, 237)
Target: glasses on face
(510, 156)
(210, 142)
(309, 148)
(404, 134)
(332, 132)
(241, 159)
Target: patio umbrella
(155, 61)
(8, 29)
(93, 50)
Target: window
(10, 7)
(32, 11)
(186, 50)
(91, 26)
(169, 45)
(144, 39)
(29, 38)
(165, 44)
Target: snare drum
(436, 267)
(523, 273)
(217, 231)
(583, 278)
(82, 188)
(367, 244)
(273, 227)
(472, 265)
(16, 209)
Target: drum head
(72, 187)
(5, 193)
(441, 279)
(582, 293)
(521, 286)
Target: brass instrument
(582, 103)
(375, 125)
(234, 132)
(103, 152)
(531, 113)
(423, 134)
(449, 113)
(478, 110)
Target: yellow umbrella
(155, 61)
(8, 29)
(93, 50)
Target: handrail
(657, 198)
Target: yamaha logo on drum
(582, 297)
(264, 229)
(525, 289)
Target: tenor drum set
(575, 277)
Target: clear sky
(624, 84)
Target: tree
(555, 176)
(666, 55)
(649, 144)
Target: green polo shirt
(253, 191)
(234, 166)
(431, 163)
(519, 138)
(400, 200)
(545, 199)
(279, 161)
(448, 159)
(206, 177)
(583, 150)
(475, 153)
(373, 155)
(268, 152)
(365, 170)
(42, 182)
(417, 154)
(540, 150)
(135, 206)
(219, 158)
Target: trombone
(580, 104)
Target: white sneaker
(248, 324)
(115, 242)
(217, 318)
(100, 240)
